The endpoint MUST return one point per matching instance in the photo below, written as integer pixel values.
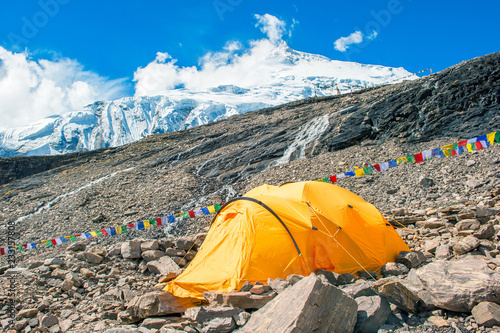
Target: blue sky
(109, 40)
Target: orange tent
(296, 228)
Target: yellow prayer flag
(491, 138)
(448, 147)
(118, 230)
(446, 152)
(359, 172)
(93, 233)
(470, 147)
(147, 224)
(401, 160)
(211, 209)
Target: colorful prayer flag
(185, 215)
(393, 164)
(93, 233)
(359, 172)
(140, 225)
(479, 145)
(437, 152)
(350, 174)
(377, 167)
(471, 146)
(410, 158)
(147, 224)
(54, 242)
(63, 239)
(368, 170)
(342, 175)
(211, 209)
(161, 221)
(490, 137)
(384, 166)
(205, 211)
(401, 160)
(171, 219)
(333, 179)
(419, 158)
(2, 251)
(198, 212)
(427, 155)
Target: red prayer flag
(53, 241)
(479, 146)
(104, 232)
(377, 167)
(418, 158)
(462, 143)
(130, 225)
(2, 251)
(333, 179)
(158, 221)
(25, 245)
(191, 214)
(454, 153)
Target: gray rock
(27, 313)
(397, 293)
(53, 261)
(311, 305)
(485, 232)
(150, 245)
(203, 314)
(123, 330)
(432, 244)
(482, 211)
(150, 255)
(153, 304)
(153, 323)
(131, 249)
(373, 311)
(487, 314)
(330, 276)
(34, 264)
(367, 275)
(394, 268)
(278, 285)
(294, 278)
(242, 318)
(468, 224)
(247, 286)
(77, 247)
(242, 300)
(358, 289)
(442, 251)
(77, 282)
(49, 320)
(93, 258)
(219, 325)
(467, 244)
(411, 259)
(345, 278)
(175, 252)
(474, 183)
(164, 266)
(426, 182)
(66, 285)
(432, 223)
(184, 243)
(458, 285)
(65, 325)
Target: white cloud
(271, 26)
(234, 64)
(31, 90)
(373, 35)
(342, 44)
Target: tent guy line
(477, 143)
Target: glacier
(292, 75)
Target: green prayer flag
(20, 247)
(98, 233)
(497, 137)
(124, 229)
(217, 207)
(325, 180)
(368, 170)
(410, 158)
(152, 222)
(73, 238)
(186, 215)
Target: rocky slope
(449, 205)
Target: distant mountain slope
(290, 76)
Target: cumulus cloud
(342, 44)
(235, 64)
(31, 90)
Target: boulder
(153, 304)
(358, 289)
(373, 312)
(432, 223)
(164, 266)
(131, 249)
(442, 251)
(482, 211)
(467, 244)
(345, 278)
(330, 276)
(151, 255)
(311, 305)
(77, 247)
(397, 293)
(53, 261)
(294, 278)
(468, 224)
(243, 300)
(153, 323)
(458, 285)
(175, 252)
(26, 313)
(487, 314)
(184, 243)
(411, 259)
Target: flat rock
(219, 325)
(150, 255)
(485, 232)
(373, 311)
(164, 266)
(468, 224)
(278, 284)
(393, 268)
(203, 314)
(482, 211)
(93, 258)
(27, 313)
(311, 305)
(49, 320)
(242, 300)
(458, 285)
(411, 259)
(150, 245)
